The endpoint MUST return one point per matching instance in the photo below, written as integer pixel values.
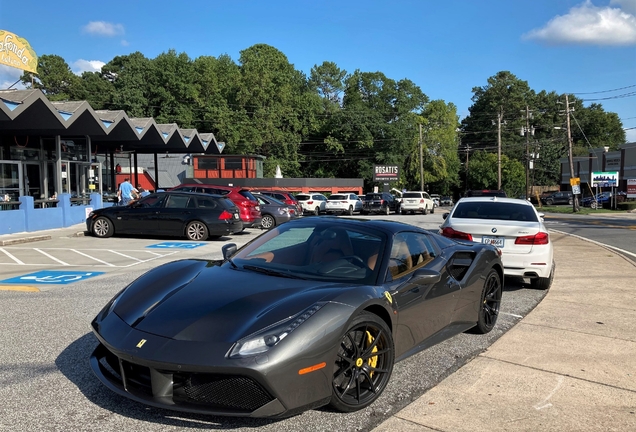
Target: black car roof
(379, 224)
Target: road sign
(575, 181)
(176, 245)
(52, 277)
(576, 189)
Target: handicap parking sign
(52, 277)
(176, 245)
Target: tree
(54, 78)
(482, 173)
(130, 76)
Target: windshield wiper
(271, 272)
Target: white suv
(313, 203)
(417, 201)
(344, 203)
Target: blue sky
(447, 47)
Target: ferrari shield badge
(388, 297)
(141, 343)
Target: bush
(627, 205)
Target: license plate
(236, 216)
(495, 241)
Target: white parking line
(126, 256)
(11, 256)
(93, 258)
(51, 256)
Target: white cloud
(82, 65)
(103, 28)
(8, 76)
(630, 135)
(587, 24)
(124, 42)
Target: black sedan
(313, 312)
(274, 212)
(182, 214)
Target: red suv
(244, 200)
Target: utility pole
(499, 117)
(466, 169)
(527, 131)
(575, 200)
(421, 161)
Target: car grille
(220, 391)
(216, 392)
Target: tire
(594, 205)
(358, 376)
(350, 212)
(549, 202)
(196, 230)
(543, 283)
(268, 222)
(317, 211)
(489, 303)
(387, 210)
(103, 227)
(433, 210)
(425, 212)
(570, 202)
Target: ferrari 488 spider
(315, 311)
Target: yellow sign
(16, 52)
(575, 181)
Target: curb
(24, 240)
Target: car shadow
(73, 362)
(513, 283)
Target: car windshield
(337, 197)
(373, 197)
(495, 210)
(412, 195)
(316, 252)
(302, 197)
(247, 194)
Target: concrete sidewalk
(570, 365)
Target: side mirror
(426, 276)
(228, 250)
(445, 216)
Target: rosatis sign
(386, 173)
(16, 52)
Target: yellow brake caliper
(373, 361)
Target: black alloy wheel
(363, 364)
(268, 222)
(103, 227)
(196, 230)
(489, 304)
(549, 202)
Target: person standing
(127, 190)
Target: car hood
(199, 300)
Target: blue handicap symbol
(176, 245)
(52, 277)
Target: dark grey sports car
(313, 312)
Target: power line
(604, 91)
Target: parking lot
(46, 380)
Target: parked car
(513, 226)
(446, 201)
(180, 214)
(602, 198)
(486, 193)
(380, 202)
(274, 212)
(286, 197)
(436, 199)
(313, 312)
(417, 201)
(558, 198)
(243, 198)
(313, 203)
(340, 203)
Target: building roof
(29, 112)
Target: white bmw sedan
(513, 226)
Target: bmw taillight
(225, 215)
(539, 238)
(454, 234)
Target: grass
(567, 209)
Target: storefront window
(74, 150)
(9, 181)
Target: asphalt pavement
(569, 365)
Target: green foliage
(482, 173)
(55, 78)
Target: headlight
(263, 340)
(90, 215)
